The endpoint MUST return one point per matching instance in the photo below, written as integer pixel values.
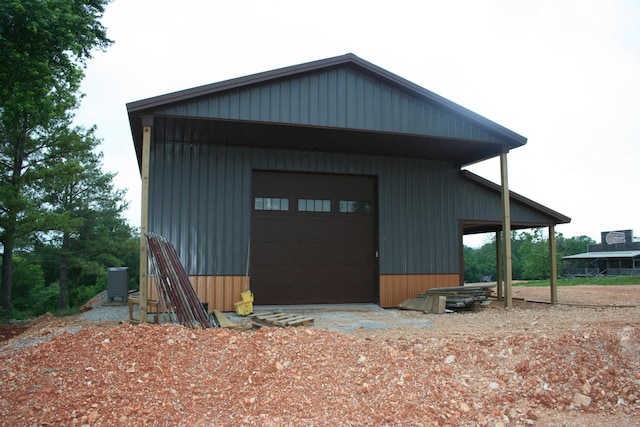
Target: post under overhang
(506, 230)
(499, 269)
(147, 124)
(553, 270)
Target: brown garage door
(313, 238)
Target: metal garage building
(326, 182)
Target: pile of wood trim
(175, 291)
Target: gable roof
(551, 217)
(383, 113)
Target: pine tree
(44, 46)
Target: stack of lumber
(461, 296)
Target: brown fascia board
(476, 179)
(187, 94)
(515, 139)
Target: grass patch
(602, 281)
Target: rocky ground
(577, 363)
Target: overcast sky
(564, 74)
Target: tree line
(529, 252)
(61, 220)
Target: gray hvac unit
(117, 284)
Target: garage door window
(314, 205)
(271, 204)
(355, 206)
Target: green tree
(534, 252)
(572, 245)
(471, 270)
(81, 199)
(480, 262)
(529, 255)
(44, 46)
(103, 240)
(28, 279)
(516, 259)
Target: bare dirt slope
(535, 364)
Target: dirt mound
(532, 365)
(44, 319)
(9, 331)
(100, 298)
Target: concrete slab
(347, 318)
(308, 308)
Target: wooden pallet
(281, 320)
(223, 320)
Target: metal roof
(471, 227)
(355, 106)
(606, 254)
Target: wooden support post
(553, 276)
(506, 230)
(499, 272)
(144, 221)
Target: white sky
(564, 74)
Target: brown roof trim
(158, 101)
(212, 88)
(476, 179)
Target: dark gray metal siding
(416, 235)
(201, 201)
(340, 97)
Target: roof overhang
(475, 227)
(320, 139)
(317, 138)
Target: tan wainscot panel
(220, 292)
(395, 288)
